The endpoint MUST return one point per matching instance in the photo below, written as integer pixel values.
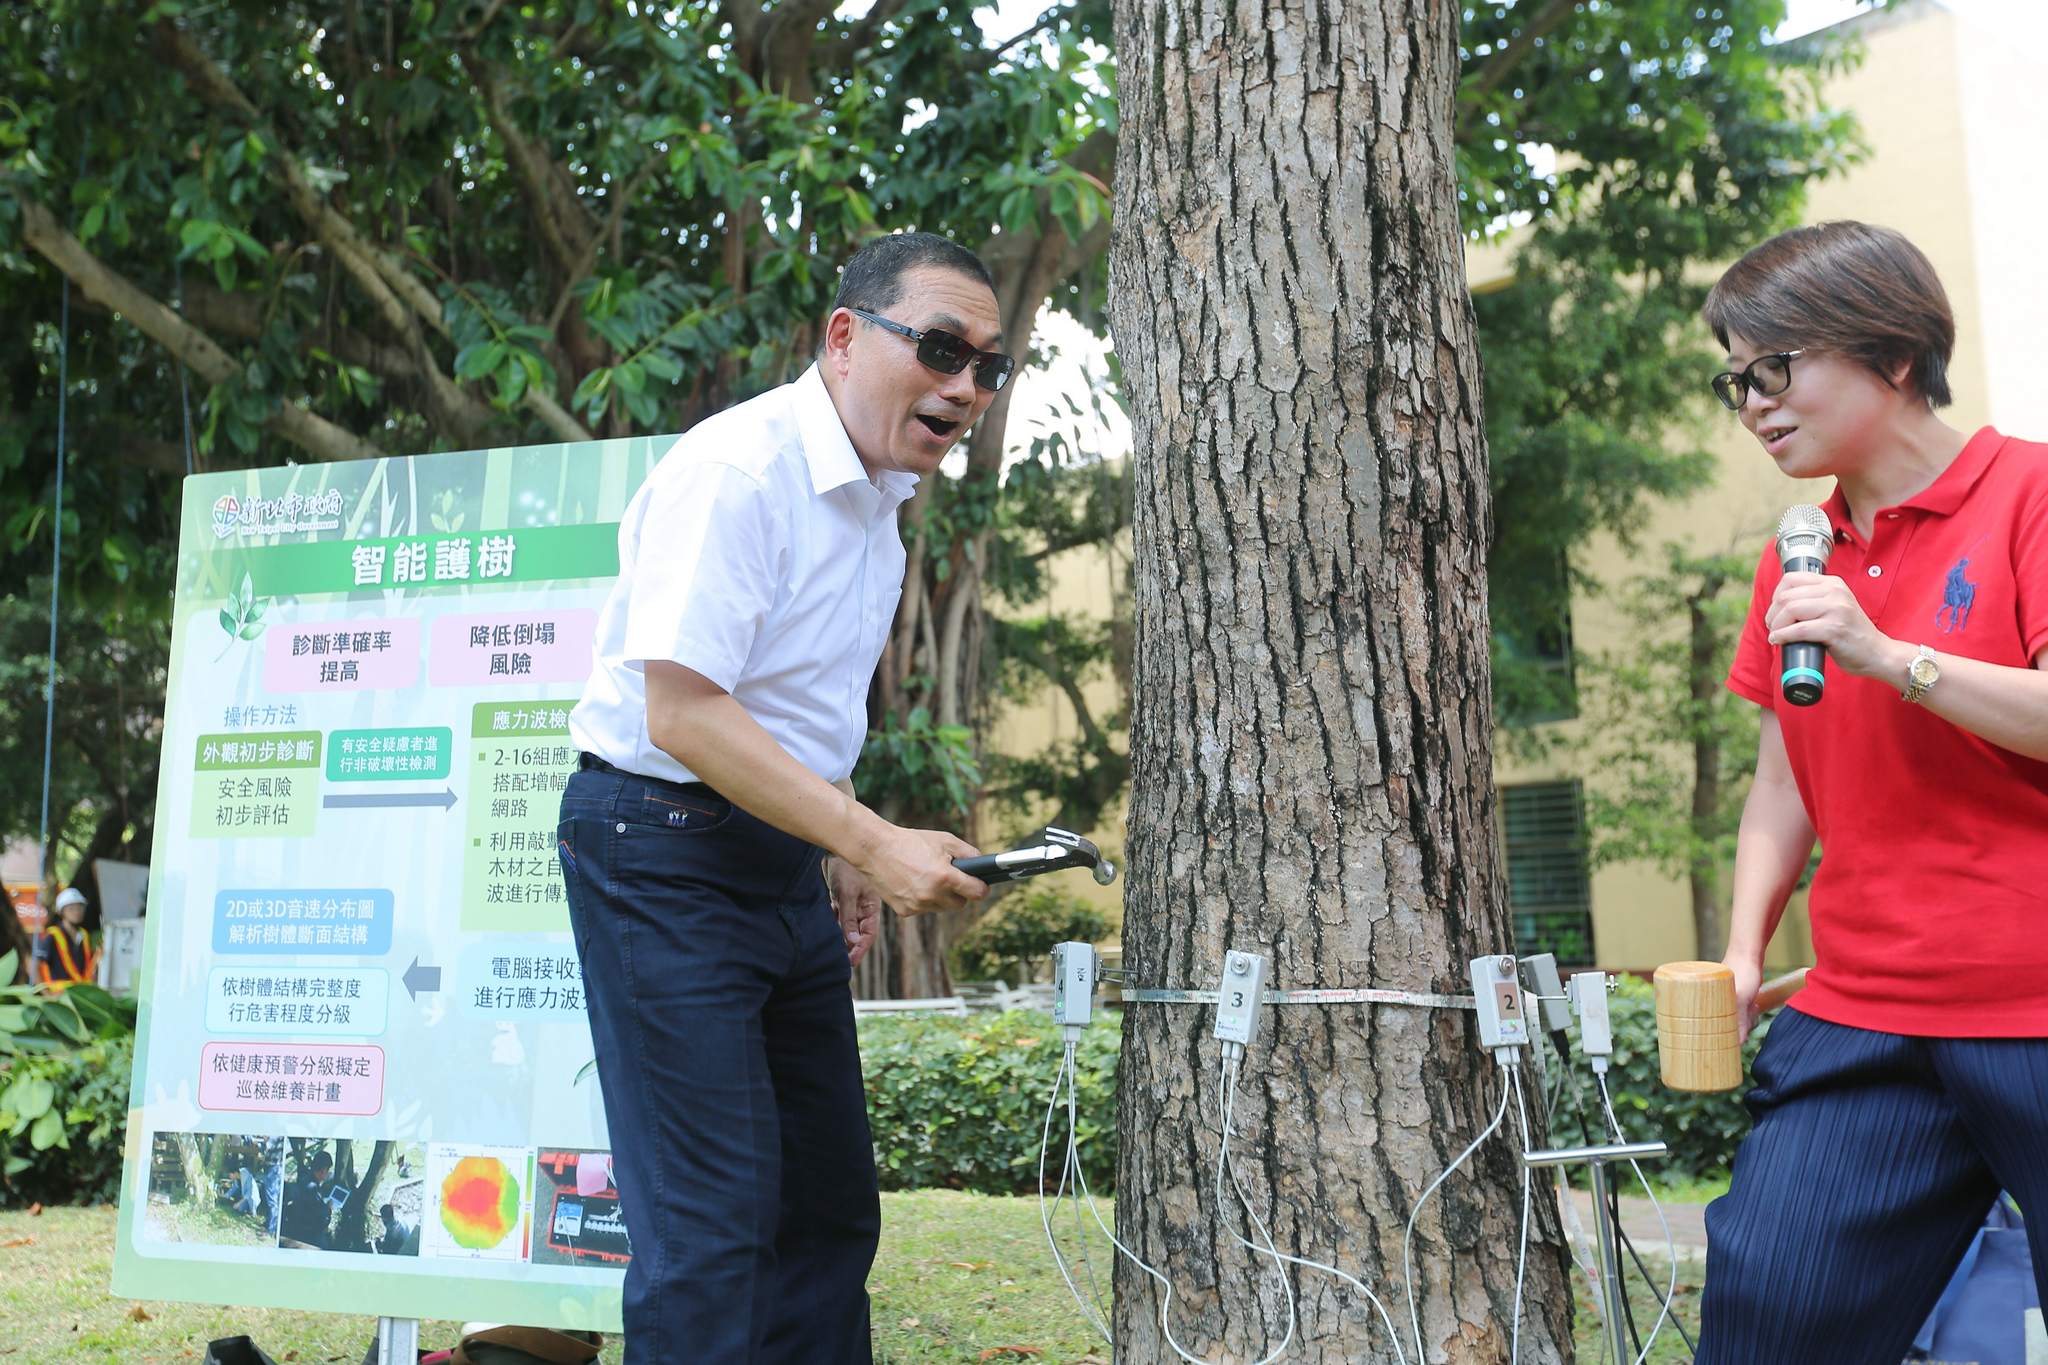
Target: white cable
(1166, 1301)
(1080, 1230)
(1670, 1243)
(1521, 1256)
(1393, 1335)
(1408, 1239)
(1044, 1212)
(1222, 1163)
(1135, 1259)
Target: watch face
(1924, 672)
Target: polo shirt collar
(1944, 495)
(829, 452)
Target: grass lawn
(959, 1278)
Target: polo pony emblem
(1957, 594)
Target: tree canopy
(393, 226)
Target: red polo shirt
(1930, 909)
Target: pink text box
(342, 656)
(287, 1078)
(517, 647)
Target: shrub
(65, 1062)
(1701, 1130)
(960, 1103)
(1013, 940)
(64, 1116)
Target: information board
(363, 1078)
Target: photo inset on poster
(363, 1195)
(217, 1189)
(576, 1217)
(479, 1201)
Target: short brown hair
(1855, 289)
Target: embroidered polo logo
(1957, 594)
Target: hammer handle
(1779, 989)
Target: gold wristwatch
(1921, 675)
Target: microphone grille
(1806, 528)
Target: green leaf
(228, 622)
(65, 1020)
(47, 1132)
(246, 594)
(31, 1097)
(511, 380)
(1017, 211)
(252, 630)
(10, 963)
(477, 360)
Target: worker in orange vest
(64, 956)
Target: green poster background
(356, 931)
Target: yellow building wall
(1081, 583)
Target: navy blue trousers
(1873, 1160)
(717, 981)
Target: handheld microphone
(1805, 540)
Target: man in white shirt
(759, 568)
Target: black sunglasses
(949, 354)
(1769, 375)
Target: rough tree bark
(193, 1162)
(1311, 737)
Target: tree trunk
(348, 1232)
(198, 1188)
(1311, 744)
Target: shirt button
(1891, 516)
(621, 827)
(1876, 571)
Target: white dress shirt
(759, 554)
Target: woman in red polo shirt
(1908, 1082)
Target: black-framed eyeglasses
(1770, 375)
(938, 349)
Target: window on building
(1549, 893)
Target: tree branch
(565, 226)
(397, 295)
(1489, 76)
(870, 25)
(462, 416)
(312, 433)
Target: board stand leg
(398, 1341)
(1610, 1262)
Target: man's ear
(839, 341)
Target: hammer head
(1080, 852)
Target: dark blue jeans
(1873, 1161)
(717, 982)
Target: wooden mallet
(1698, 1034)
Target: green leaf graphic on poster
(242, 617)
(479, 1202)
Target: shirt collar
(829, 451)
(1947, 492)
(1944, 495)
